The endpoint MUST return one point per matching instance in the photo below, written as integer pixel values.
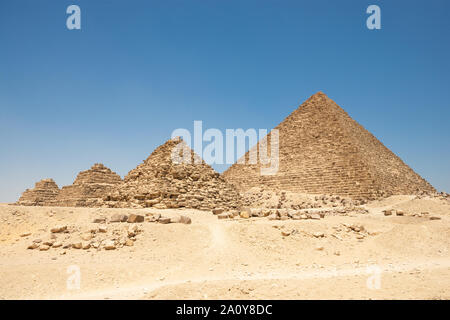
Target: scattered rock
(164, 220)
(435, 218)
(318, 234)
(217, 211)
(222, 216)
(59, 229)
(109, 245)
(135, 218)
(119, 218)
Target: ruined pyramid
(89, 188)
(161, 182)
(44, 193)
(322, 150)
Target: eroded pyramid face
(173, 176)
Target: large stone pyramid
(161, 182)
(44, 193)
(89, 188)
(323, 150)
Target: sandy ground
(398, 258)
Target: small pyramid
(44, 193)
(89, 187)
(161, 182)
(323, 150)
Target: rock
(303, 216)
(318, 234)
(37, 240)
(129, 243)
(100, 220)
(48, 243)
(185, 220)
(57, 244)
(315, 216)
(59, 229)
(109, 245)
(86, 236)
(135, 218)
(273, 216)
(164, 220)
(102, 229)
(217, 211)
(119, 218)
(25, 234)
(175, 220)
(222, 216)
(399, 213)
(85, 245)
(435, 218)
(387, 212)
(44, 247)
(77, 245)
(33, 246)
(285, 233)
(319, 248)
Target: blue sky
(114, 90)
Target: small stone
(25, 234)
(85, 245)
(58, 229)
(285, 233)
(217, 211)
(399, 213)
(135, 218)
(100, 220)
(102, 229)
(222, 216)
(86, 236)
(37, 240)
(33, 246)
(273, 216)
(387, 212)
(303, 216)
(119, 218)
(129, 243)
(109, 245)
(315, 216)
(77, 245)
(57, 244)
(435, 218)
(320, 248)
(164, 220)
(318, 234)
(44, 247)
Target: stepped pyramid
(89, 188)
(323, 150)
(44, 193)
(161, 183)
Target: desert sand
(391, 257)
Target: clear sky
(116, 89)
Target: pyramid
(322, 150)
(44, 193)
(162, 183)
(89, 188)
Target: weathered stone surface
(109, 245)
(89, 188)
(135, 218)
(119, 218)
(164, 220)
(163, 181)
(44, 193)
(324, 151)
(58, 229)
